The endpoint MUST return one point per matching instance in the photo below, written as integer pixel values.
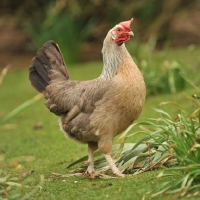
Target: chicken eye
(119, 29)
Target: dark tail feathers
(47, 65)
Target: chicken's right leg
(92, 146)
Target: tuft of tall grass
(67, 29)
(161, 75)
(184, 137)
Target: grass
(66, 28)
(163, 71)
(34, 132)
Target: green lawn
(35, 132)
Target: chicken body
(94, 111)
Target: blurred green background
(79, 26)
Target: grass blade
(20, 108)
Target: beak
(130, 33)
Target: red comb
(127, 24)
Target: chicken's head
(122, 32)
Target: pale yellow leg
(112, 165)
(91, 148)
(90, 168)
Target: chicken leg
(112, 165)
(105, 146)
(92, 147)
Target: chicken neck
(113, 57)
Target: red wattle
(121, 40)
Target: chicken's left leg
(112, 165)
(92, 146)
(105, 146)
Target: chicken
(93, 111)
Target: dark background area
(80, 26)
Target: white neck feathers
(113, 57)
